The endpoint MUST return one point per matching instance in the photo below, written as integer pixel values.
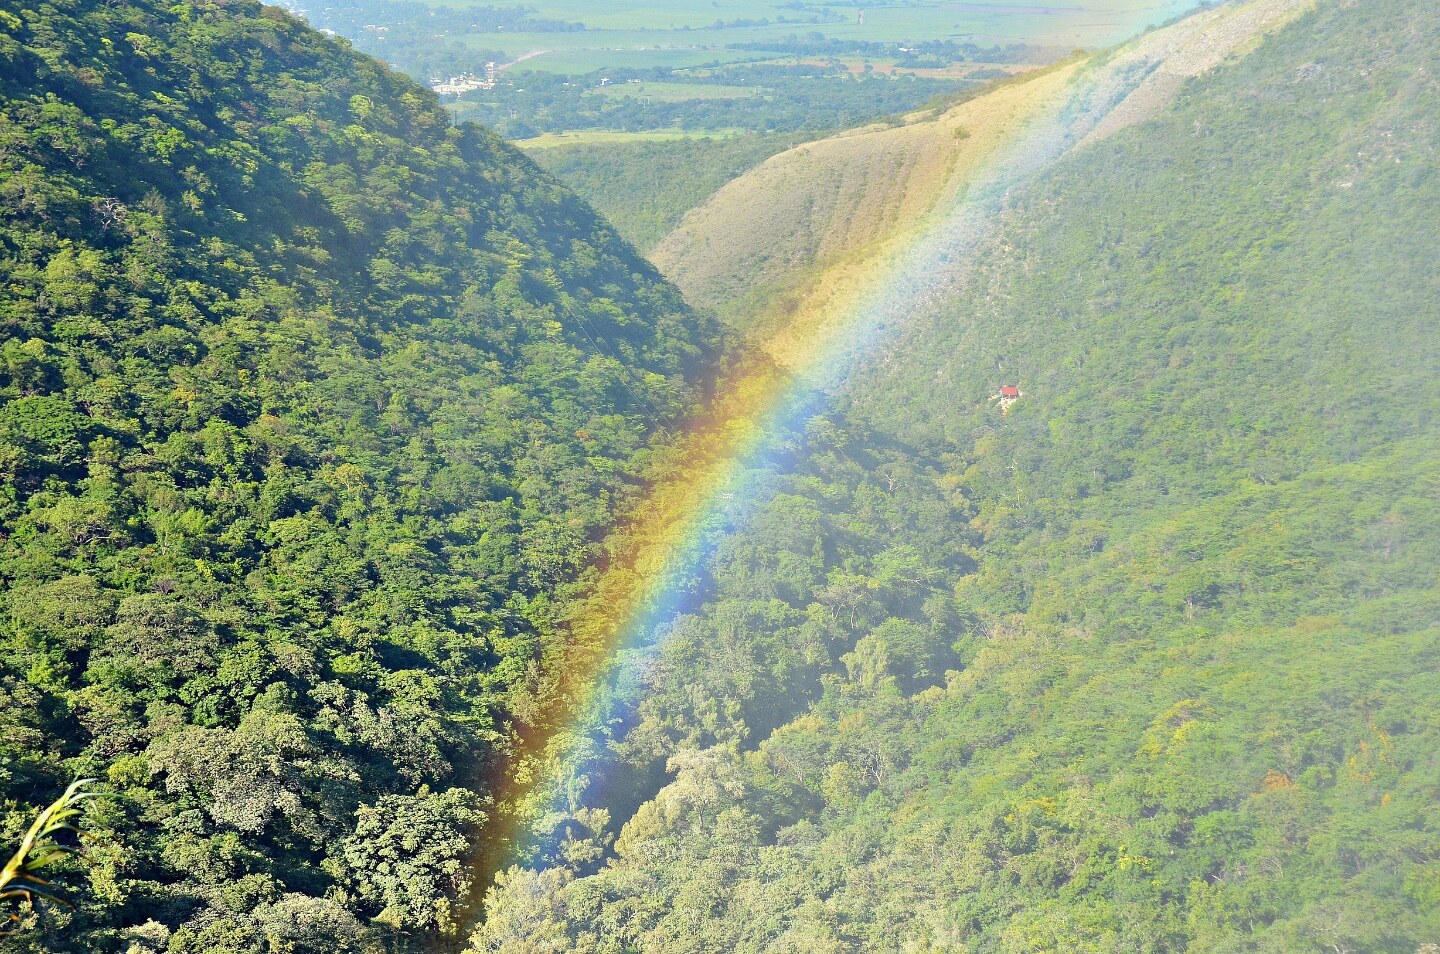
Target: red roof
(1009, 390)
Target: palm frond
(19, 883)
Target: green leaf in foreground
(20, 884)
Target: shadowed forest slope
(645, 188)
(313, 408)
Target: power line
(640, 391)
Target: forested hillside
(318, 413)
(1149, 662)
(644, 188)
(312, 410)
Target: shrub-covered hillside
(312, 407)
(1162, 676)
(645, 188)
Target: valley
(993, 515)
(764, 802)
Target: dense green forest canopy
(645, 188)
(313, 407)
(316, 409)
(1149, 662)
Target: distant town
(465, 82)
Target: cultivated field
(622, 33)
(592, 137)
(674, 92)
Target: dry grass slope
(1200, 43)
(822, 201)
(786, 249)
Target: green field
(580, 60)
(1068, 21)
(674, 92)
(595, 137)
(685, 35)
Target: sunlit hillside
(1140, 659)
(785, 249)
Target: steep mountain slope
(775, 248)
(813, 205)
(645, 188)
(1185, 589)
(312, 408)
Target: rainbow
(714, 477)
